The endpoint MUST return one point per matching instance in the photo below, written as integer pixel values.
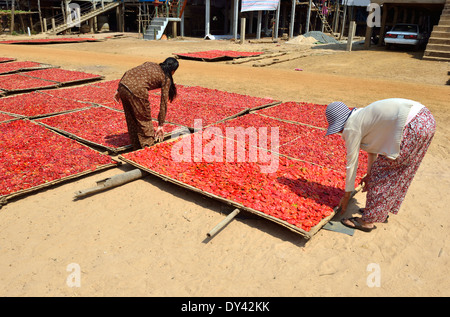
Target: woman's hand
(365, 182)
(117, 97)
(159, 135)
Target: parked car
(406, 34)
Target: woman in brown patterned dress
(133, 92)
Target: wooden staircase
(326, 25)
(63, 26)
(438, 47)
(164, 14)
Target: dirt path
(147, 238)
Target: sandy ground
(148, 237)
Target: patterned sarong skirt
(390, 179)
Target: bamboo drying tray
(13, 115)
(110, 149)
(25, 69)
(70, 82)
(306, 234)
(5, 198)
(7, 59)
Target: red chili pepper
(31, 155)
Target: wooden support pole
(343, 21)
(140, 18)
(40, 16)
(351, 28)
(94, 6)
(235, 18)
(368, 38)
(223, 223)
(91, 25)
(122, 16)
(336, 17)
(182, 25)
(174, 29)
(277, 22)
(308, 16)
(12, 16)
(384, 12)
(291, 25)
(258, 26)
(351, 34)
(242, 40)
(207, 17)
(111, 182)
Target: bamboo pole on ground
(223, 223)
(111, 182)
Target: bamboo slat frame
(213, 59)
(234, 116)
(71, 82)
(110, 149)
(25, 69)
(8, 59)
(285, 120)
(285, 155)
(51, 114)
(5, 198)
(56, 41)
(29, 89)
(13, 115)
(306, 234)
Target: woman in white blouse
(396, 134)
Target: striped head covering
(337, 114)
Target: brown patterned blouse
(140, 79)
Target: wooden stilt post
(351, 33)
(343, 21)
(308, 17)
(242, 40)
(351, 29)
(383, 24)
(40, 16)
(277, 22)
(235, 18)
(207, 17)
(12, 16)
(258, 26)
(368, 37)
(291, 25)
